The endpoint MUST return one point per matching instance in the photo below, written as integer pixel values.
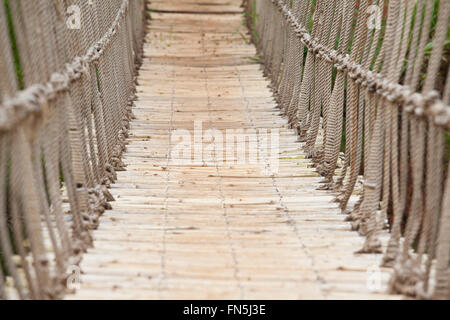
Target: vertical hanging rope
(349, 87)
(62, 137)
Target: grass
(255, 59)
(238, 31)
(253, 17)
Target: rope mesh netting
(66, 89)
(366, 84)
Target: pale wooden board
(209, 230)
(206, 6)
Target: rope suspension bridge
(224, 149)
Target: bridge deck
(181, 229)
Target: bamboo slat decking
(180, 230)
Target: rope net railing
(67, 81)
(366, 84)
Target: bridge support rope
(393, 114)
(66, 88)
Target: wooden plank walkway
(181, 229)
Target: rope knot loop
(59, 81)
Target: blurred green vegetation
(20, 83)
(14, 47)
